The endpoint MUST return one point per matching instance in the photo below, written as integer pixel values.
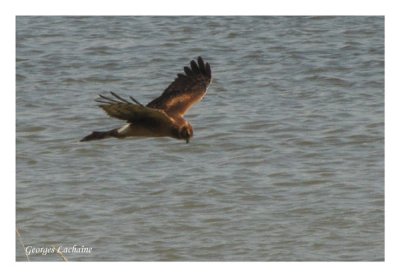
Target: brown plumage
(162, 117)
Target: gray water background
(287, 159)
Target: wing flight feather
(122, 109)
(186, 90)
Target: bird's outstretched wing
(133, 111)
(186, 90)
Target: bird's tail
(101, 135)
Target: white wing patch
(124, 129)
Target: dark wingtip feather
(194, 66)
(134, 100)
(119, 97)
(201, 65)
(105, 99)
(204, 67)
(188, 71)
(208, 70)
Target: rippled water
(287, 161)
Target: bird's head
(186, 132)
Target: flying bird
(162, 117)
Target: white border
(207, 7)
(202, 7)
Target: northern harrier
(162, 117)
